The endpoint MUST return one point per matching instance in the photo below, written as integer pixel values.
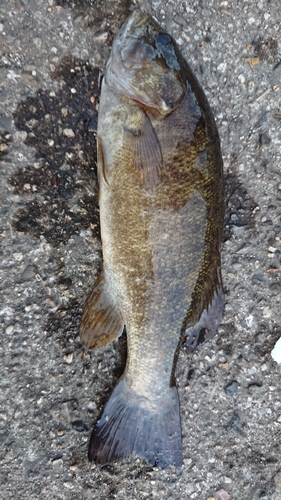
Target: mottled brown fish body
(161, 211)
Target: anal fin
(101, 321)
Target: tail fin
(134, 425)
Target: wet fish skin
(161, 211)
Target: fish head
(145, 65)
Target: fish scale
(161, 211)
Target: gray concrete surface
(51, 389)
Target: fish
(161, 199)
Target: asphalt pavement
(52, 390)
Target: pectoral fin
(101, 321)
(141, 141)
(210, 316)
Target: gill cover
(145, 65)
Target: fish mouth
(143, 65)
(139, 18)
(136, 24)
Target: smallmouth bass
(161, 213)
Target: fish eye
(164, 38)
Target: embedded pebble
(223, 495)
(102, 37)
(231, 388)
(57, 464)
(20, 135)
(64, 112)
(29, 272)
(77, 19)
(18, 256)
(68, 132)
(223, 365)
(68, 485)
(227, 479)
(68, 358)
(92, 406)
(266, 313)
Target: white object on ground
(276, 351)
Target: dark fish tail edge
(135, 425)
